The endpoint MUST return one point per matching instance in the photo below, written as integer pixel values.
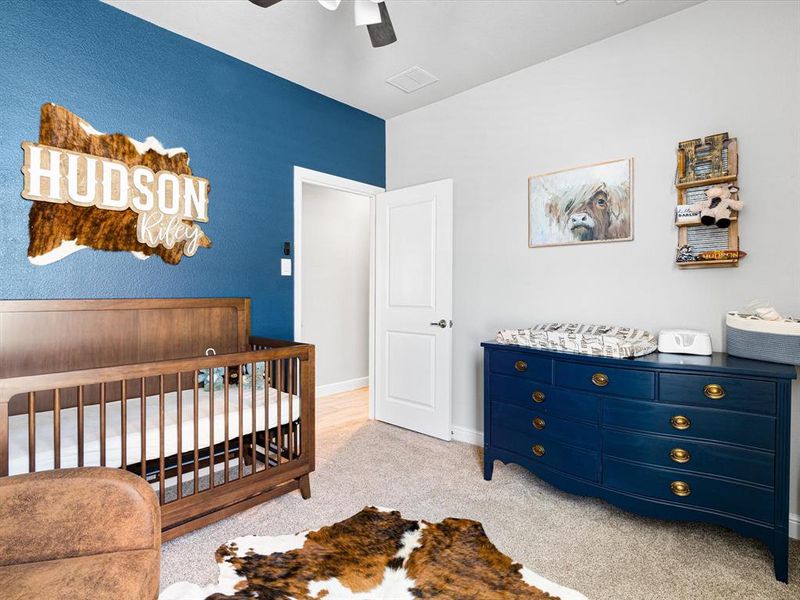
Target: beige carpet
(582, 543)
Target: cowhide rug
(374, 555)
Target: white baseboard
(794, 526)
(342, 386)
(469, 436)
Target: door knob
(441, 323)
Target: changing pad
(595, 340)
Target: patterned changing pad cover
(595, 340)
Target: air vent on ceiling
(412, 79)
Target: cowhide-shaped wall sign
(109, 192)
(374, 555)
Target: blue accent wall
(245, 130)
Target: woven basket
(773, 341)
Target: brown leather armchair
(79, 533)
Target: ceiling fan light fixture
(330, 4)
(372, 13)
(366, 13)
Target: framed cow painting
(588, 204)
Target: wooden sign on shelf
(707, 161)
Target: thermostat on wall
(684, 341)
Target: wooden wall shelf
(700, 264)
(734, 218)
(703, 182)
(703, 163)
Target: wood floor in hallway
(343, 409)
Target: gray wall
(335, 282)
(719, 66)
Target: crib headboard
(39, 336)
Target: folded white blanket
(595, 340)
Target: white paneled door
(414, 307)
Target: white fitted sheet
(18, 428)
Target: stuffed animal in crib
(717, 207)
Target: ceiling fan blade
(264, 3)
(382, 34)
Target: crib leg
(305, 486)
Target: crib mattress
(18, 428)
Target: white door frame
(301, 176)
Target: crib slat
(143, 425)
(298, 441)
(56, 428)
(267, 384)
(161, 439)
(211, 419)
(102, 424)
(179, 410)
(291, 420)
(4, 438)
(123, 401)
(279, 425)
(31, 432)
(226, 407)
(241, 420)
(196, 488)
(80, 426)
(253, 386)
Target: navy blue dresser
(667, 436)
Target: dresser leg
(488, 465)
(781, 558)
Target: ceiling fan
(372, 13)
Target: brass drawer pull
(679, 455)
(521, 366)
(680, 488)
(538, 450)
(600, 379)
(538, 397)
(714, 391)
(538, 423)
(680, 422)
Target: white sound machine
(684, 341)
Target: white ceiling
(462, 42)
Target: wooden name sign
(109, 192)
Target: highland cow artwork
(582, 205)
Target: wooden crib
(175, 390)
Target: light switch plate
(286, 267)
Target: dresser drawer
(704, 492)
(605, 380)
(522, 365)
(565, 458)
(551, 400)
(755, 466)
(718, 392)
(546, 426)
(757, 431)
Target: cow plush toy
(717, 207)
